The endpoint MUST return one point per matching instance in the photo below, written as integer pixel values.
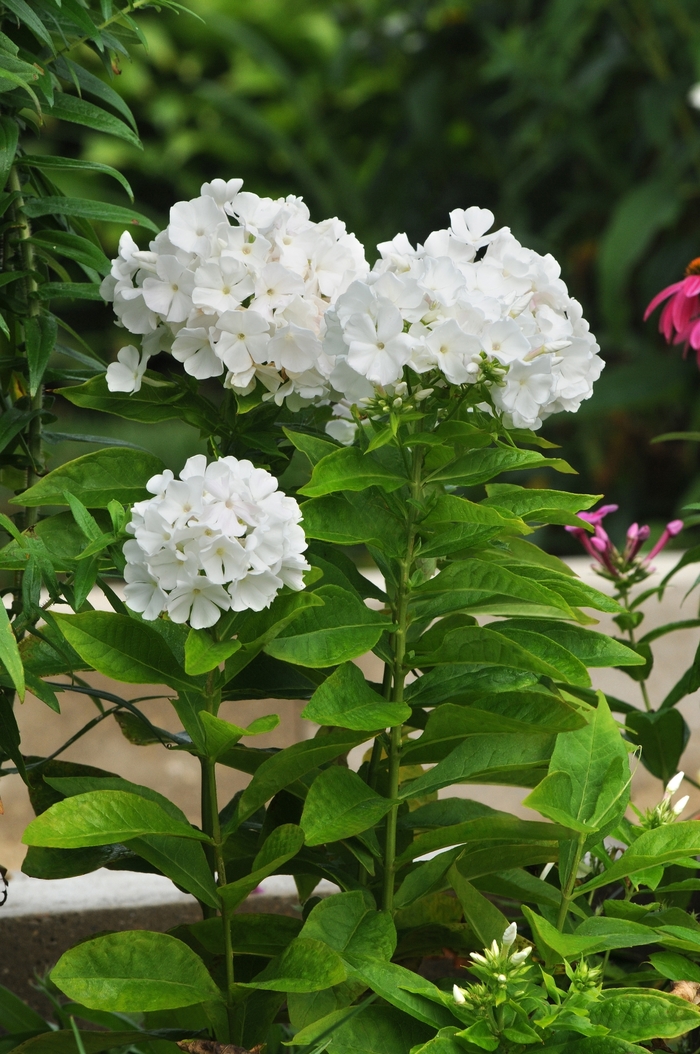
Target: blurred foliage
(569, 118)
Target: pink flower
(672, 529)
(680, 319)
(600, 547)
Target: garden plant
(359, 423)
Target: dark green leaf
(9, 132)
(40, 338)
(86, 209)
(349, 469)
(96, 479)
(133, 972)
(79, 111)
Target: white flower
(126, 374)
(238, 286)
(221, 285)
(170, 294)
(193, 224)
(221, 536)
(378, 347)
(527, 387)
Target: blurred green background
(570, 119)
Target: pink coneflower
(680, 319)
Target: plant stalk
(398, 677)
(567, 892)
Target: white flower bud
(401, 388)
(458, 995)
(509, 935)
(478, 958)
(422, 394)
(494, 947)
(520, 957)
(680, 805)
(673, 785)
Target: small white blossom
(220, 537)
(126, 374)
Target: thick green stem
(213, 829)
(398, 677)
(568, 890)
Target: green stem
(398, 678)
(568, 891)
(26, 251)
(215, 855)
(624, 596)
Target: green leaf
(219, 735)
(349, 469)
(532, 503)
(123, 648)
(568, 586)
(63, 1042)
(73, 247)
(494, 827)
(326, 636)
(304, 966)
(663, 736)
(373, 1030)
(488, 923)
(203, 654)
(590, 647)
(510, 759)
(16, 1016)
(339, 805)
(80, 111)
(676, 967)
(661, 845)
(9, 132)
(529, 712)
(85, 209)
(251, 934)
(487, 647)
(349, 923)
(68, 291)
(479, 466)
(524, 713)
(450, 509)
(468, 582)
(103, 817)
(40, 336)
(134, 972)
(547, 649)
(184, 862)
(426, 878)
(291, 764)
(639, 1014)
(29, 18)
(345, 700)
(149, 404)
(313, 446)
(350, 520)
(281, 845)
(589, 776)
(9, 654)
(50, 161)
(596, 934)
(96, 479)
(404, 989)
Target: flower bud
(520, 957)
(680, 805)
(458, 995)
(673, 784)
(509, 935)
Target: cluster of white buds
(666, 811)
(499, 964)
(220, 537)
(467, 307)
(235, 286)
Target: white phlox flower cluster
(220, 537)
(473, 307)
(236, 286)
